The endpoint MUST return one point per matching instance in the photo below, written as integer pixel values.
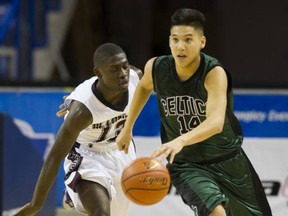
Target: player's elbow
(217, 125)
(219, 128)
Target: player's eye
(126, 67)
(114, 69)
(175, 40)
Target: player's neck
(189, 70)
(117, 100)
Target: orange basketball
(145, 181)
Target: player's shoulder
(135, 75)
(86, 85)
(136, 71)
(161, 62)
(87, 82)
(209, 59)
(149, 64)
(80, 114)
(82, 92)
(163, 58)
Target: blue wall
(261, 115)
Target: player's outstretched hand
(27, 210)
(62, 109)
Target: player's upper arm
(78, 118)
(147, 81)
(216, 84)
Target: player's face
(185, 43)
(115, 72)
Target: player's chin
(124, 88)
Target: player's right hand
(123, 140)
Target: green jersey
(182, 107)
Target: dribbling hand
(168, 149)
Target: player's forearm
(140, 98)
(64, 141)
(45, 181)
(204, 131)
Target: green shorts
(232, 182)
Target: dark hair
(188, 17)
(104, 51)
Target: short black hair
(104, 51)
(188, 17)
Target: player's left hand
(168, 149)
(27, 210)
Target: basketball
(145, 181)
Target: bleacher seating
(23, 27)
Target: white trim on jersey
(107, 122)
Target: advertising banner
(262, 114)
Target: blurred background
(46, 49)
(248, 37)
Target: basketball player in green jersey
(200, 135)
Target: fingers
(164, 152)
(126, 148)
(171, 158)
(123, 147)
(123, 141)
(62, 106)
(61, 113)
(158, 152)
(120, 146)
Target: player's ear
(97, 72)
(203, 41)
